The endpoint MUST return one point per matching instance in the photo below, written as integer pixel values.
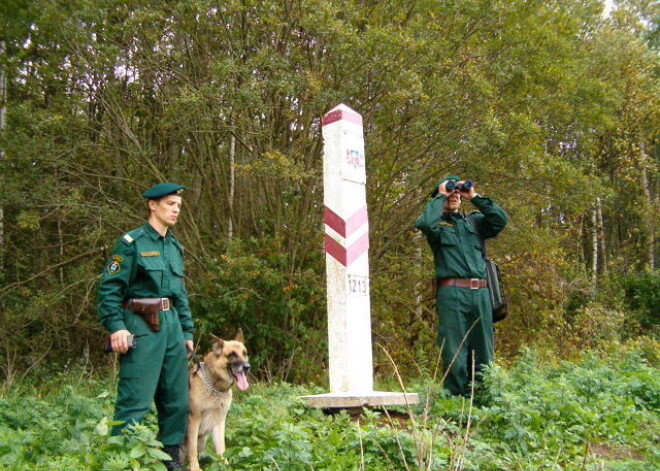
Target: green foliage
(280, 315)
(624, 307)
(49, 433)
(599, 412)
(642, 299)
(296, 438)
(69, 427)
(136, 449)
(567, 407)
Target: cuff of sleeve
(114, 326)
(187, 336)
(480, 199)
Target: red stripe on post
(346, 256)
(359, 247)
(334, 221)
(335, 249)
(338, 115)
(345, 227)
(356, 221)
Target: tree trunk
(601, 236)
(232, 181)
(3, 103)
(648, 205)
(594, 244)
(420, 290)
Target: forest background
(552, 108)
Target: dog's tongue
(241, 380)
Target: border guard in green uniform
(142, 302)
(465, 323)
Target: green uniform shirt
(143, 264)
(455, 240)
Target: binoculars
(452, 185)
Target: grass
(596, 413)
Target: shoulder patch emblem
(154, 253)
(114, 265)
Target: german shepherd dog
(211, 395)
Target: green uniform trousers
(157, 368)
(465, 334)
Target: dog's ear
(218, 343)
(239, 335)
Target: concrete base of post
(356, 399)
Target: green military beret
(163, 189)
(435, 188)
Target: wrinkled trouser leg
(172, 390)
(155, 369)
(465, 330)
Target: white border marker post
(347, 268)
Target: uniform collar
(455, 215)
(153, 233)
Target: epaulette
(130, 236)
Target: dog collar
(209, 383)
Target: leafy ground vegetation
(599, 412)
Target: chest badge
(154, 253)
(443, 223)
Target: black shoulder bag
(495, 286)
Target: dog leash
(205, 378)
(194, 356)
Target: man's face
(453, 202)
(166, 209)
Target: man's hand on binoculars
(467, 190)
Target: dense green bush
(642, 297)
(597, 413)
(620, 308)
(279, 315)
(570, 407)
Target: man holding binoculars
(465, 330)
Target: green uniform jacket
(143, 264)
(455, 240)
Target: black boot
(173, 464)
